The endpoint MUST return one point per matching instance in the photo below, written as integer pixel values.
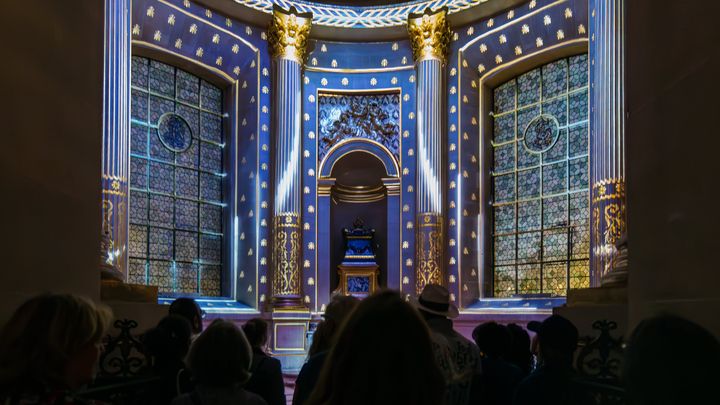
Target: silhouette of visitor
(167, 345)
(671, 361)
(49, 348)
(554, 381)
(189, 309)
(266, 380)
(499, 378)
(458, 358)
(519, 352)
(219, 362)
(382, 355)
(338, 309)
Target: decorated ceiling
(380, 14)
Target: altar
(359, 270)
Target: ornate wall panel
(369, 116)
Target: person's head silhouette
(670, 360)
(383, 355)
(557, 338)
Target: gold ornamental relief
(288, 34)
(429, 34)
(286, 280)
(429, 253)
(614, 222)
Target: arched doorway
(358, 179)
(358, 194)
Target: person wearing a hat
(458, 357)
(554, 382)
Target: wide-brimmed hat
(435, 299)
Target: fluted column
(430, 36)
(607, 147)
(287, 38)
(116, 141)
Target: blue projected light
(358, 284)
(174, 132)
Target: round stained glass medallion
(541, 133)
(174, 132)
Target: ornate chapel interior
(533, 156)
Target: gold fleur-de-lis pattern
(483, 48)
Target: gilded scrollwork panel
(286, 251)
(609, 222)
(429, 251)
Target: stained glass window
(176, 180)
(540, 181)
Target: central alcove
(358, 193)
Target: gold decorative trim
(114, 192)
(324, 191)
(349, 140)
(288, 34)
(358, 194)
(211, 24)
(113, 177)
(608, 189)
(392, 185)
(429, 34)
(212, 69)
(351, 71)
(508, 24)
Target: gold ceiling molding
(430, 34)
(288, 34)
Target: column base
(110, 273)
(290, 340)
(288, 302)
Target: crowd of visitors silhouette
(385, 349)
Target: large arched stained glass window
(540, 181)
(176, 180)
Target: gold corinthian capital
(288, 34)
(429, 34)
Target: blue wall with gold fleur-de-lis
(233, 56)
(359, 69)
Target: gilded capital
(288, 34)
(429, 34)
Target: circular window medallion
(174, 132)
(541, 133)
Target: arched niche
(358, 178)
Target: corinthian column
(116, 141)
(287, 36)
(607, 147)
(429, 36)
